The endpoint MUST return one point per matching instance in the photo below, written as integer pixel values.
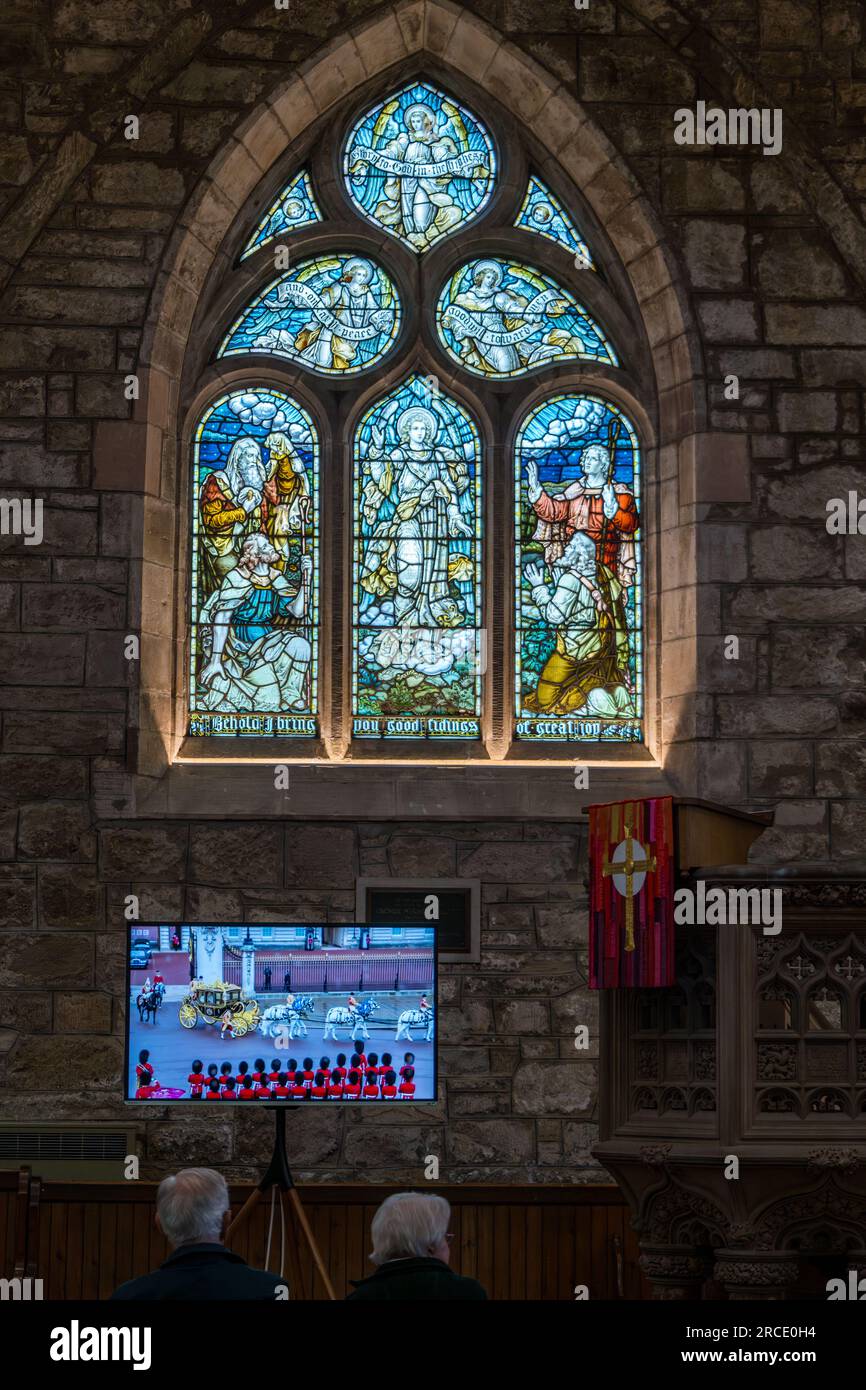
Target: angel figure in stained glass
(342, 313)
(257, 659)
(495, 326)
(420, 165)
(415, 497)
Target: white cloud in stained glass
(420, 165)
(254, 568)
(500, 318)
(418, 646)
(295, 207)
(543, 213)
(335, 315)
(578, 580)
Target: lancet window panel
(254, 617)
(418, 641)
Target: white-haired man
(411, 1252)
(192, 1212)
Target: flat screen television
(293, 1012)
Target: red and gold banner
(631, 894)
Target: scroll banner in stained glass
(336, 315)
(419, 165)
(543, 213)
(296, 207)
(498, 318)
(631, 895)
(255, 569)
(418, 646)
(578, 620)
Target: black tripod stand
(278, 1177)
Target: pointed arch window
(416, 472)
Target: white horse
(414, 1018)
(353, 1019)
(279, 1016)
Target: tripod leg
(246, 1210)
(295, 1199)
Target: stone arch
(457, 40)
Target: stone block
(243, 853)
(198, 1141)
(25, 1011)
(699, 183)
(716, 253)
(782, 768)
(505, 1141)
(772, 603)
(561, 926)
(82, 1012)
(791, 264)
(456, 1025)
(840, 768)
(794, 552)
(144, 851)
(808, 412)
(18, 897)
(422, 856)
(729, 320)
(555, 1088)
(41, 779)
(522, 1016)
(78, 607)
(842, 662)
(70, 899)
(56, 830)
(382, 1145)
(509, 863)
(47, 960)
(41, 660)
(842, 325)
(748, 716)
(644, 68)
(95, 1062)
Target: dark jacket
(200, 1272)
(414, 1279)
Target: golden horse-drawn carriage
(213, 1003)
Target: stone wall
(771, 252)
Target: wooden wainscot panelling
(522, 1243)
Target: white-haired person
(411, 1252)
(192, 1212)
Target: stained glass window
(296, 207)
(336, 315)
(498, 318)
(420, 165)
(579, 668)
(255, 575)
(418, 644)
(542, 212)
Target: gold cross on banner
(629, 866)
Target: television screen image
(289, 1012)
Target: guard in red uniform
(319, 1088)
(371, 1090)
(282, 1087)
(246, 1091)
(389, 1085)
(263, 1090)
(339, 1071)
(196, 1081)
(352, 1088)
(228, 1090)
(143, 1070)
(213, 1091)
(407, 1085)
(408, 1061)
(335, 1087)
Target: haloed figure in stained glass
(419, 165)
(412, 501)
(587, 534)
(258, 661)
